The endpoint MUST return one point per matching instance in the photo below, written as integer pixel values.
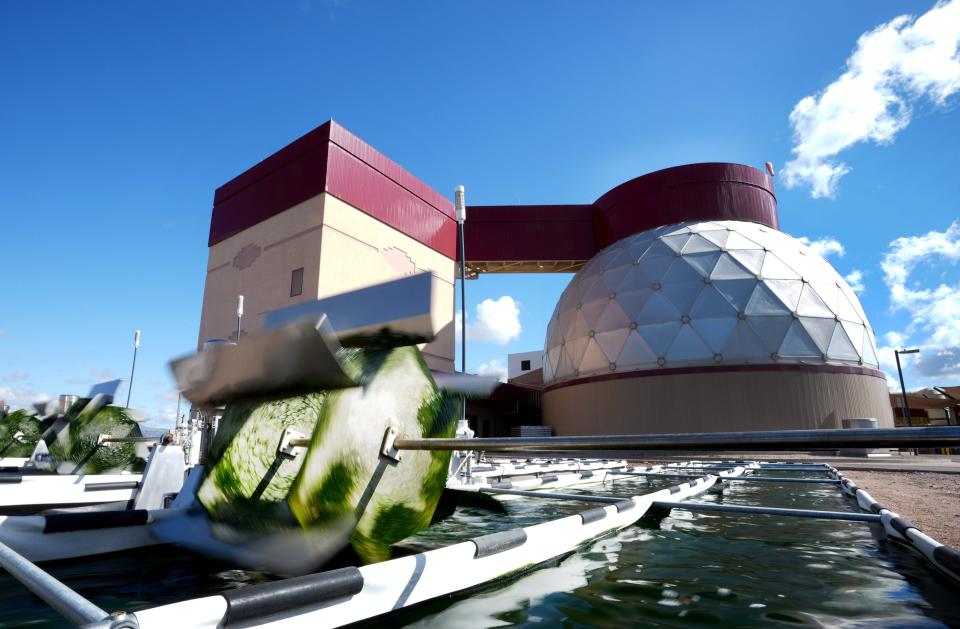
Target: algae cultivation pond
(686, 570)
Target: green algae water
(686, 570)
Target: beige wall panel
(716, 402)
(257, 263)
(359, 250)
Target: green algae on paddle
(76, 449)
(28, 427)
(342, 475)
(249, 479)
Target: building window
(524, 365)
(296, 282)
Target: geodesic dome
(715, 293)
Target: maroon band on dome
(677, 371)
(695, 192)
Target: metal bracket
(287, 449)
(386, 448)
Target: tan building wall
(716, 402)
(339, 247)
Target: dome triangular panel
(716, 236)
(775, 269)
(699, 244)
(594, 359)
(565, 367)
(739, 241)
(575, 349)
(711, 304)
(613, 277)
(658, 309)
(744, 346)
(750, 259)
(737, 292)
(688, 345)
(787, 291)
(771, 330)
(683, 294)
(676, 241)
(869, 353)
(636, 352)
(659, 336)
(729, 269)
(840, 346)
(810, 304)
(846, 311)
(656, 266)
(703, 263)
(612, 342)
(820, 330)
(715, 332)
(612, 318)
(681, 271)
(855, 333)
(829, 292)
(798, 344)
(632, 301)
(764, 302)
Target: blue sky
(118, 120)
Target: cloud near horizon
(497, 321)
(893, 66)
(934, 310)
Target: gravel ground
(929, 500)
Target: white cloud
(19, 397)
(823, 247)
(497, 321)
(493, 368)
(934, 310)
(855, 279)
(892, 67)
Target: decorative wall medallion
(398, 260)
(245, 258)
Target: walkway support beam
(929, 437)
(797, 513)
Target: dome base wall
(715, 402)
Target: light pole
(903, 389)
(461, 213)
(239, 315)
(136, 345)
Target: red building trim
(331, 159)
(652, 373)
(695, 192)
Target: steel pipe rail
(75, 608)
(770, 479)
(939, 436)
(797, 513)
(553, 496)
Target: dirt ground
(929, 500)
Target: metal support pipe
(75, 608)
(937, 436)
(771, 479)
(129, 439)
(797, 513)
(543, 494)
